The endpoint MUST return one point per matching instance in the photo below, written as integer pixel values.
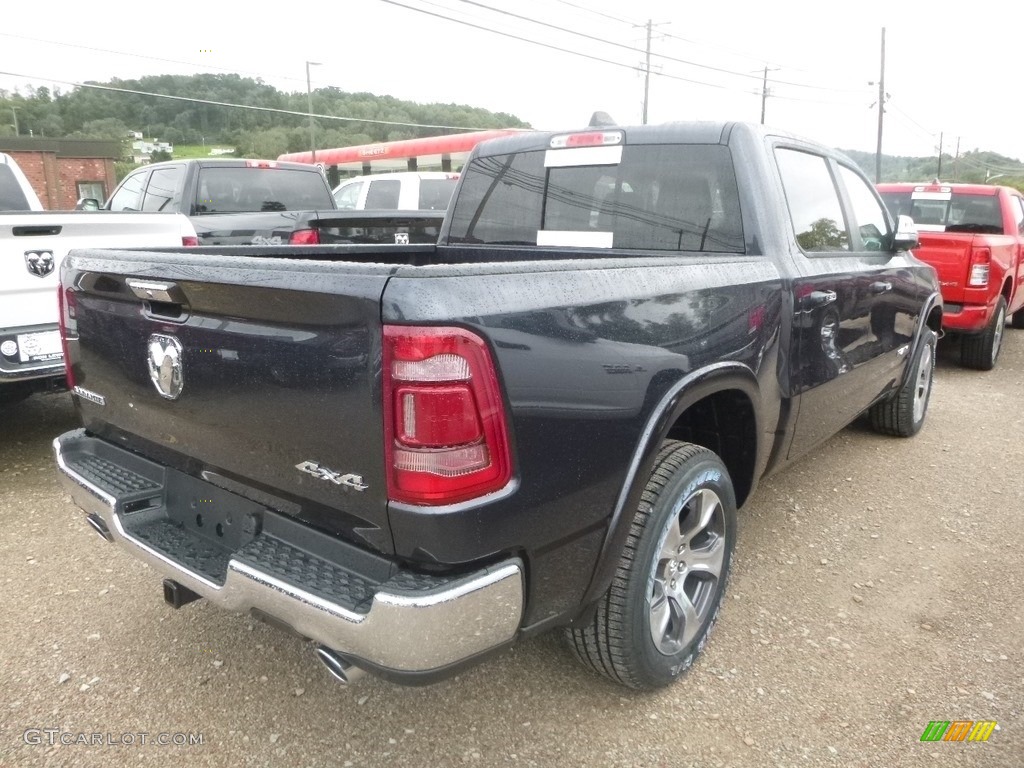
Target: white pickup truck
(33, 243)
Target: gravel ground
(876, 587)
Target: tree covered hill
(96, 113)
(975, 166)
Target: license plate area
(211, 513)
(39, 347)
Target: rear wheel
(668, 586)
(982, 350)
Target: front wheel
(668, 586)
(903, 414)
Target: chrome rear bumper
(409, 626)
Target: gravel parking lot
(877, 587)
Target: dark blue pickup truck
(415, 455)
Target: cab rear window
(435, 194)
(245, 190)
(938, 211)
(656, 197)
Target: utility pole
(881, 114)
(309, 106)
(938, 173)
(956, 159)
(647, 72)
(764, 92)
(649, 26)
(14, 111)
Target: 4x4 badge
(350, 481)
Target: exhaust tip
(97, 524)
(341, 669)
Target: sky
(949, 78)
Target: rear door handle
(881, 287)
(816, 299)
(36, 230)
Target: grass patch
(182, 151)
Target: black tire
(13, 393)
(1017, 319)
(980, 351)
(648, 587)
(902, 415)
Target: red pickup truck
(973, 235)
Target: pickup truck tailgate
(264, 373)
(32, 246)
(950, 254)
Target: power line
(597, 13)
(931, 134)
(633, 49)
(549, 45)
(484, 28)
(763, 59)
(593, 57)
(243, 106)
(144, 56)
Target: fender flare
(682, 395)
(934, 300)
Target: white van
(405, 191)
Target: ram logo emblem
(39, 263)
(165, 361)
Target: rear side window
(435, 194)
(814, 205)
(237, 189)
(383, 195)
(678, 197)
(12, 198)
(163, 184)
(347, 195)
(127, 197)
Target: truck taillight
(66, 317)
(981, 258)
(305, 237)
(445, 438)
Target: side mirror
(905, 238)
(87, 204)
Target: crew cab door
(854, 300)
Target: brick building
(62, 171)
